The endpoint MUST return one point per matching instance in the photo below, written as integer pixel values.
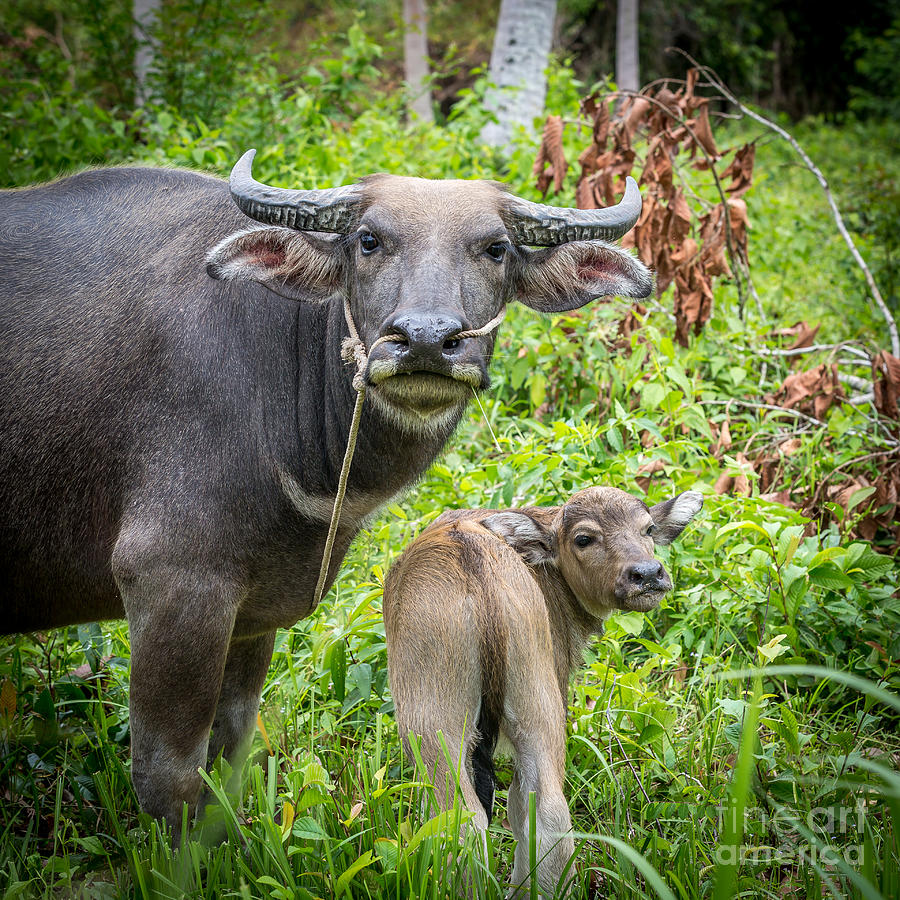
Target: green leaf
(339, 669)
(631, 622)
(537, 389)
(92, 844)
(342, 883)
(829, 576)
(308, 829)
(614, 438)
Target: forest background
(763, 372)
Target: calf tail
(493, 681)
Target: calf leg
(180, 624)
(443, 773)
(539, 742)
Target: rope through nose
(353, 349)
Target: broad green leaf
(341, 885)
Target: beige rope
(354, 350)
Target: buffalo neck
(386, 458)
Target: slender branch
(839, 221)
(781, 410)
(813, 348)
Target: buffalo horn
(545, 226)
(329, 209)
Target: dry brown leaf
(703, 132)
(7, 699)
(782, 497)
(740, 225)
(693, 301)
(735, 484)
(886, 383)
(741, 170)
(806, 335)
(789, 447)
(551, 164)
(679, 224)
(723, 441)
(814, 391)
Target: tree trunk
(627, 68)
(415, 53)
(521, 47)
(145, 12)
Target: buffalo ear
(531, 540)
(566, 277)
(672, 516)
(288, 262)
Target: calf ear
(527, 537)
(568, 276)
(295, 265)
(671, 516)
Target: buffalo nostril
(639, 573)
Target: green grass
(685, 780)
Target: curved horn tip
(245, 163)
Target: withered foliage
(812, 392)
(886, 384)
(686, 243)
(550, 165)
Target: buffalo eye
(649, 529)
(497, 250)
(368, 243)
(583, 540)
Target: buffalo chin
(421, 401)
(643, 601)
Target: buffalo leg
(245, 673)
(180, 630)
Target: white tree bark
(145, 12)
(627, 68)
(415, 54)
(521, 48)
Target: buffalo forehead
(607, 506)
(452, 205)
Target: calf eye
(583, 540)
(650, 529)
(368, 243)
(497, 250)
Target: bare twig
(780, 410)
(813, 348)
(839, 221)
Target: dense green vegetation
(687, 775)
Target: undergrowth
(688, 774)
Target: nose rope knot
(353, 350)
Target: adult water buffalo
(174, 407)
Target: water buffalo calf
(174, 407)
(486, 615)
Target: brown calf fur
(486, 616)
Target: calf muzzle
(642, 584)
